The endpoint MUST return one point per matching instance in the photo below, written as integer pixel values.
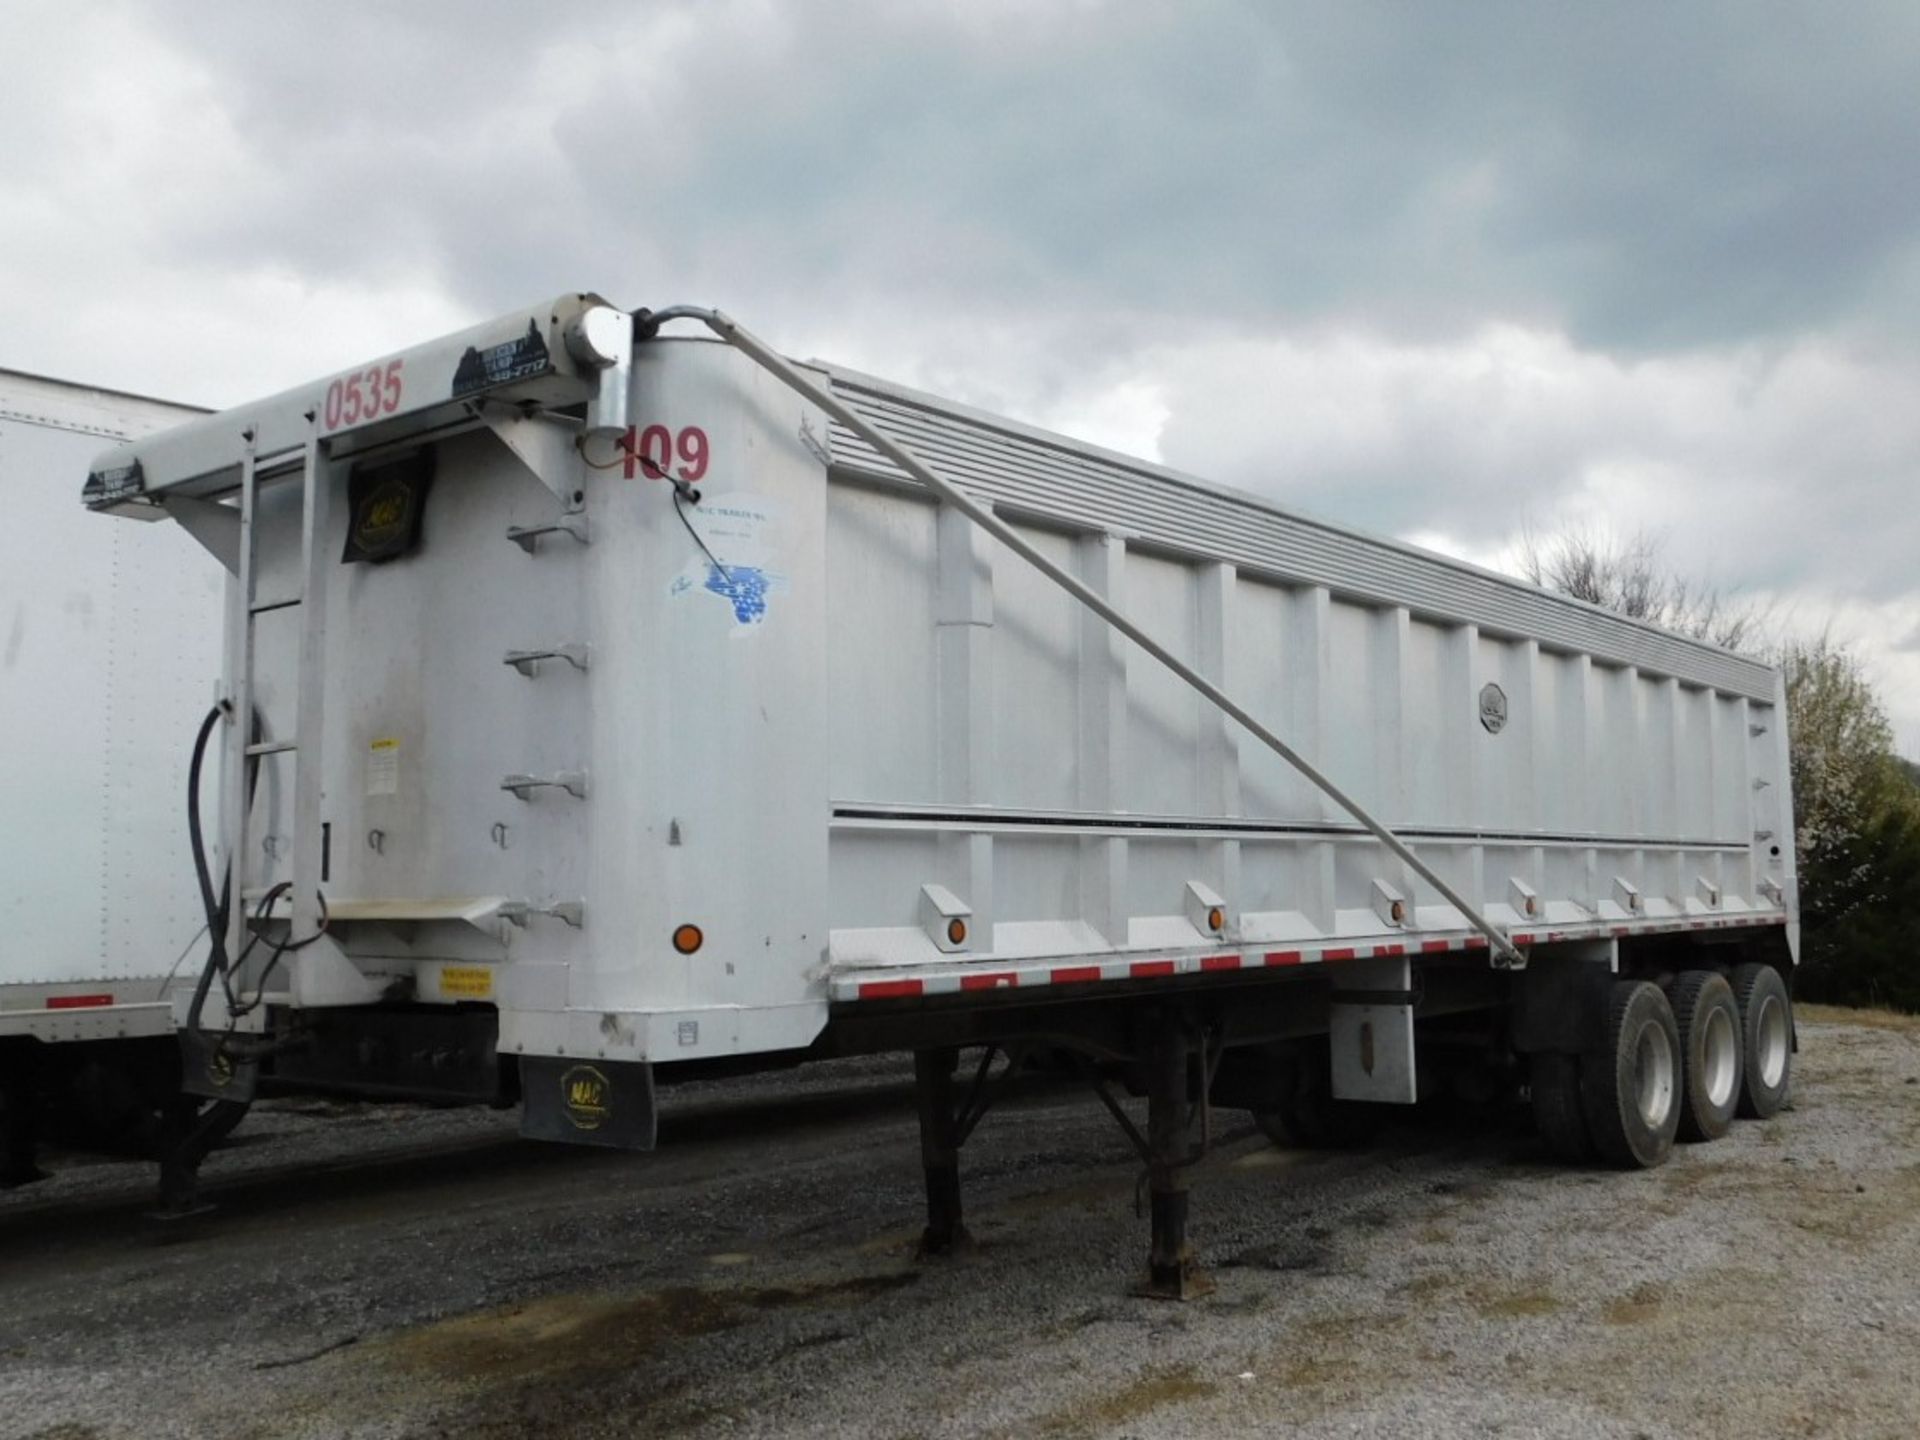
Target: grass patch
(1152, 1391)
(1637, 1306)
(1515, 1305)
(1874, 1019)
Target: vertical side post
(1171, 1272)
(939, 1150)
(1103, 726)
(234, 796)
(963, 650)
(315, 535)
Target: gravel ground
(386, 1271)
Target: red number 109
(657, 449)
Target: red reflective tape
(988, 982)
(1219, 962)
(1148, 969)
(1283, 957)
(1336, 954)
(1389, 950)
(1074, 974)
(889, 989)
(1477, 942)
(1435, 947)
(78, 1002)
(1523, 939)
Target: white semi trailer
(109, 650)
(606, 703)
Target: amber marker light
(688, 938)
(1216, 917)
(956, 932)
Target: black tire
(1305, 1116)
(1710, 1051)
(1766, 1040)
(1630, 1088)
(1555, 1085)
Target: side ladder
(322, 974)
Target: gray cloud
(1442, 270)
(1640, 177)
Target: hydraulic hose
(215, 907)
(219, 907)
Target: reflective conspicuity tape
(935, 980)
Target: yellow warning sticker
(466, 982)
(383, 766)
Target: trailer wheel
(1306, 1116)
(1631, 1087)
(1554, 1081)
(1710, 1070)
(1766, 1034)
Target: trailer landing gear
(939, 1150)
(1171, 1271)
(1178, 1076)
(191, 1136)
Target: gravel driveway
(397, 1272)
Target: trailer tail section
(612, 703)
(109, 654)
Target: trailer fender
(1560, 999)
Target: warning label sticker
(383, 767)
(466, 982)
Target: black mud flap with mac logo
(588, 1102)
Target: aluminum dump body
(109, 656)
(666, 780)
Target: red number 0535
(365, 395)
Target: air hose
(219, 908)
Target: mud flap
(1370, 1021)
(588, 1103)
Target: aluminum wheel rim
(1653, 1075)
(1720, 1054)
(1772, 1033)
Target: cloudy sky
(1441, 271)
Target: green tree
(1856, 803)
(1857, 834)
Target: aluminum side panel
(1006, 463)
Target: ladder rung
(271, 747)
(274, 605)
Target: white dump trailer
(611, 703)
(109, 655)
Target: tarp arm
(790, 375)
